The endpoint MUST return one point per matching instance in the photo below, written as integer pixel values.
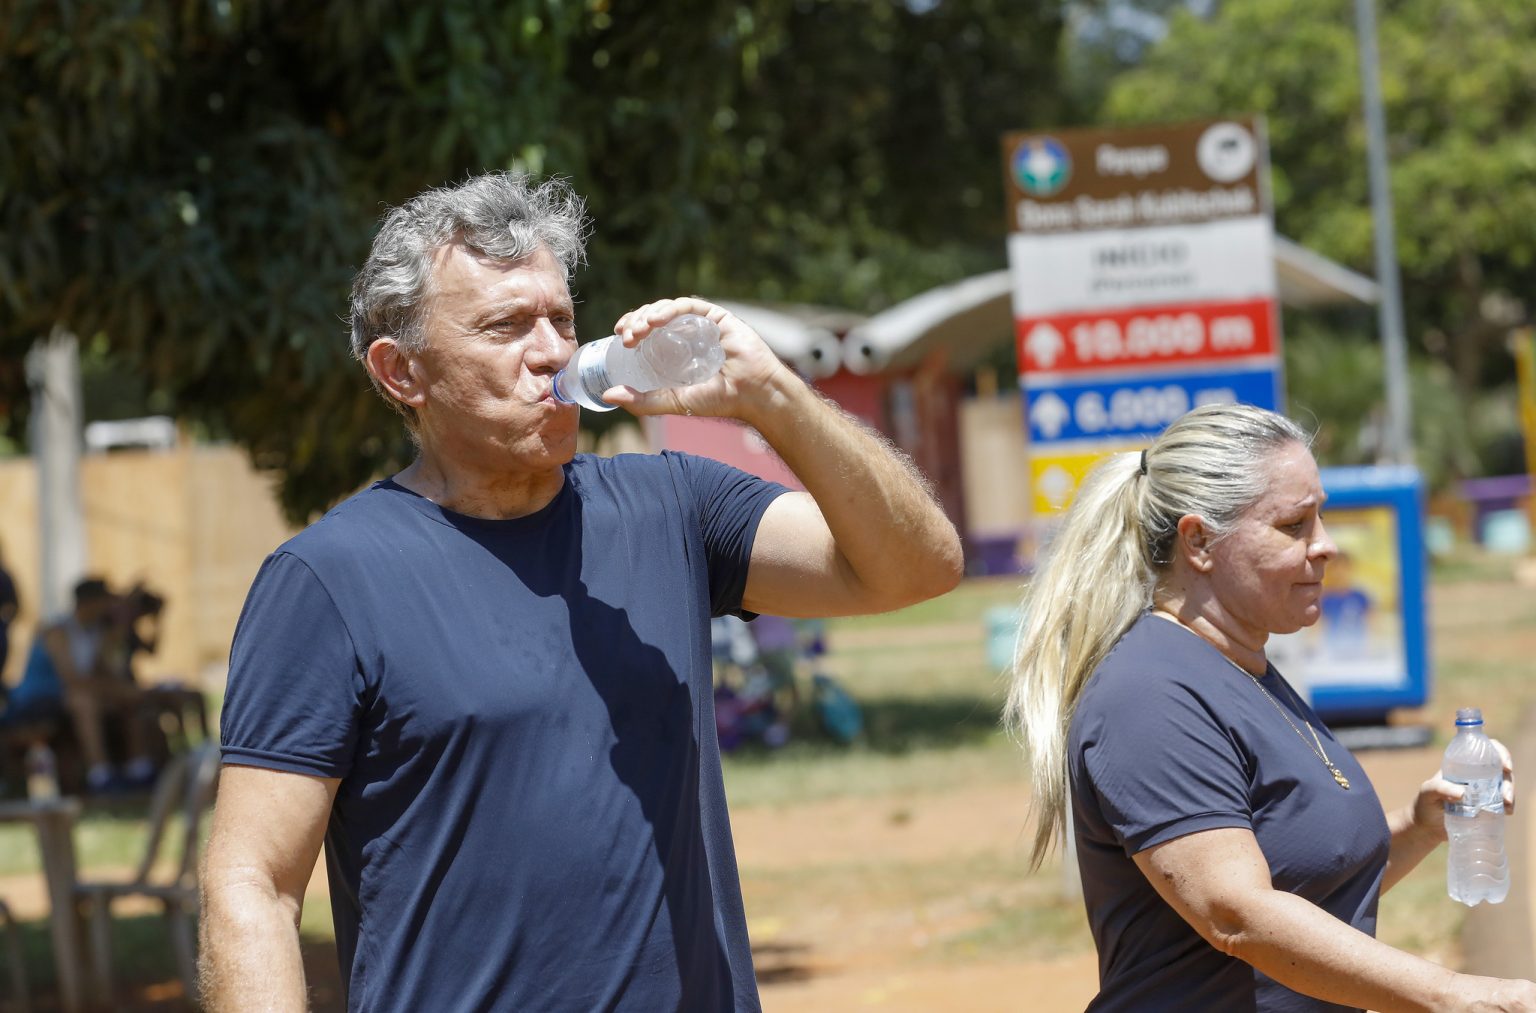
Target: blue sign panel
(1368, 653)
(1139, 407)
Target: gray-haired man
(485, 682)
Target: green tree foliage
(1336, 385)
(1458, 85)
(1105, 38)
(190, 184)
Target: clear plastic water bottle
(684, 352)
(42, 773)
(1478, 869)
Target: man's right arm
(267, 830)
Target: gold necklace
(1316, 745)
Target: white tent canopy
(804, 337)
(1309, 279)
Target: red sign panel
(1159, 335)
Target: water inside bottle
(685, 352)
(1477, 868)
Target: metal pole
(1398, 444)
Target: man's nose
(549, 350)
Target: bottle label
(1481, 794)
(592, 370)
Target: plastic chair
(187, 785)
(20, 992)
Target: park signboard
(1142, 268)
(1142, 265)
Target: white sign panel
(1221, 261)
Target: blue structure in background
(1335, 697)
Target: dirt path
(1041, 987)
(866, 904)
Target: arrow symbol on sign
(1056, 486)
(1049, 414)
(1044, 344)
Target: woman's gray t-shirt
(1170, 738)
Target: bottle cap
(1468, 717)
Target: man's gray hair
(501, 214)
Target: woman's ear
(1194, 543)
(396, 371)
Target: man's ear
(396, 371)
(1194, 543)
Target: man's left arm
(866, 536)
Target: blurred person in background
(484, 682)
(1232, 852)
(166, 705)
(69, 673)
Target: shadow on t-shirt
(655, 754)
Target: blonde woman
(1232, 852)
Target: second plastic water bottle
(684, 352)
(1478, 869)
(42, 773)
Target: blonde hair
(1101, 568)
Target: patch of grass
(951, 667)
(1483, 638)
(975, 907)
(1417, 916)
(1472, 564)
(18, 850)
(104, 838)
(968, 602)
(141, 954)
(814, 772)
(931, 703)
(315, 922)
(1033, 928)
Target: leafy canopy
(190, 184)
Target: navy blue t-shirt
(531, 813)
(1168, 739)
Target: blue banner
(1139, 407)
